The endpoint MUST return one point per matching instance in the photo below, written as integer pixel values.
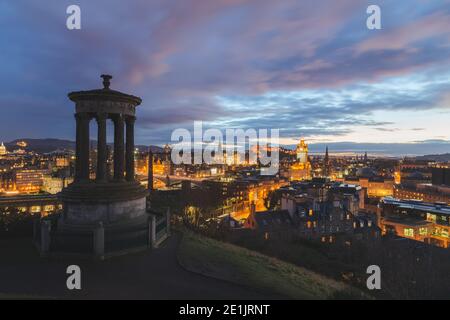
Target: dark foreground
(152, 274)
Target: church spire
(326, 163)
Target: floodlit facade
(301, 169)
(416, 220)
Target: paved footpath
(154, 274)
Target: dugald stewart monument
(106, 215)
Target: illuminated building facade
(302, 151)
(53, 185)
(301, 169)
(412, 171)
(316, 209)
(416, 220)
(423, 192)
(29, 180)
(40, 204)
(375, 186)
(7, 183)
(437, 191)
(62, 162)
(22, 144)
(141, 164)
(237, 195)
(2, 150)
(161, 167)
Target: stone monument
(105, 215)
(121, 199)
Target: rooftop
(105, 94)
(418, 205)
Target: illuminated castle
(301, 169)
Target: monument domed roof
(105, 94)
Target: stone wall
(87, 213)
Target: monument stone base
(101, 220)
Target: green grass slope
(239, 265)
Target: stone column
(118, 148)
(82, 147)
(130, 148)
(78, 119)
(101, 147)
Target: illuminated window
(431, 217)
(423, 231)
(408, 232)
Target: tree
(15, 223)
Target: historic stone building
(2, 150)
(106, 215)
(300, 169)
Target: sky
(310, 68)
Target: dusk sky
(310, 68)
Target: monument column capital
(83, 116)
(130, 119)
(101, 116)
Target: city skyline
(189, 151)
(315, 71)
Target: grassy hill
(239, 265)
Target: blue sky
(310, 68)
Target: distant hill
(52, 145)
(435, 157)
(41, 145)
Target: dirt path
(153, 274)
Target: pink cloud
(404, 38)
